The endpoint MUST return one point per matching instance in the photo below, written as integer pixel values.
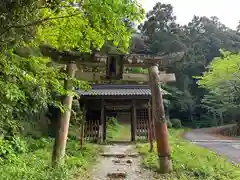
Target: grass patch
(36, 163)
(117, 131)
(123, 133)
(191, 161)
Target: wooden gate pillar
(84, 119)
(134, 120)
(150, 127)
(152, 106)
(161, 130)
(102, 124)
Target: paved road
(228, 148)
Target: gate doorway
(118, 126)
(126, 105)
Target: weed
(191, 161)
(36, 163)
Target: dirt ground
(122, 161)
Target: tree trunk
(62, 132)
(161, 130)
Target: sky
(228, 11)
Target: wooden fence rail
(142, 125)
(91, 130)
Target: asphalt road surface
(228, 148)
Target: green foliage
(93, 23)
(161, 30)
(169, 124)
(222, 81)
(10, 148)
(77, 117)
(201, 40)
(222, 71)
(15, 15)
(112, 128)
(176, 123)
(209, 165)
(122, 133)
(36, 165)
(27, 87)
(36, 144)
(29, 84)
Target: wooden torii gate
(153, 63)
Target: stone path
(120, 161)
(228, 148)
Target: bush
(35, 144)
(176, 123)
(36, 165)
(11, 147)
(169, 124)
(112, 127)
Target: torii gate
(153, 63)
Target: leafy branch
(38, 22)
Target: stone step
(121, 142)
(133, 155)
(119, 155)
(122, 162)
(115, 174)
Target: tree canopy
(31, 83)
(222, 81)
(89, 24)
(201, 40)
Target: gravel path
(228, 148)
(120, 159)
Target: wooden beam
(164, 77)
(101, 126)
(140, 60)
(90, 76)
(150, 127)
(154, 58)
(90, 64)
(152, 105)
(116, 97)
(82, 128)
(104, 126)
(134, 120)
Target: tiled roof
(117, 90)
